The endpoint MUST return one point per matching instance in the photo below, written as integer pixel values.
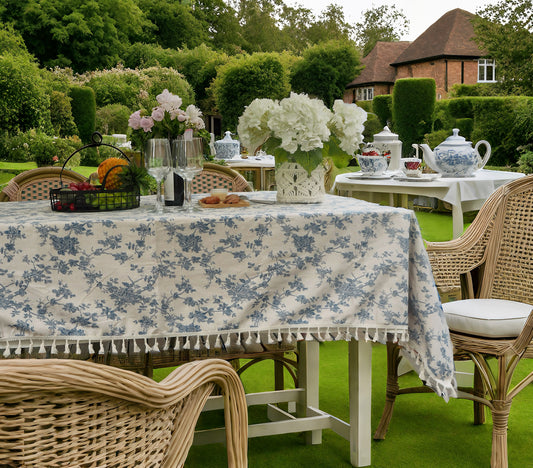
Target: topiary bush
(84, 111)
(246, 78)
(382, 107)
(412, 110)
(61, 114)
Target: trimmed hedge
(84, 111)
(382, 106)
(412, 110)
(506, 122)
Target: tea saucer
(420, 178)
(360, 175)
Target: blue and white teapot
(455, 157)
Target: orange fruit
(108, 166)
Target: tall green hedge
(412, 110)
(382, 106)
(84, 111)
(506, 123)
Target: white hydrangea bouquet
(301, 129)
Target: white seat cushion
(491, 318)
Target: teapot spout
(429, 157)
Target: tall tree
(505, 31)
(84, 35)
(331, 25)
(176, 26)
(383, 23)
(326, 69)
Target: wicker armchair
(217, 176)
(491, 263)
(74, 413)
(35, 184)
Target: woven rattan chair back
(497, 248)
(75, 413)
(217, 176)
(35, 184)
(491, 260)
(508, 270)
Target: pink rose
(135, 120)
(147, 124)
(158, 114)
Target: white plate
(422, 178)
(360, 175)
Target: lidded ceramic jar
(227, 148)
(388, 142)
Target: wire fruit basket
(87, 197)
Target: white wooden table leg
(457, 220)
(360, 382)
(308, 378)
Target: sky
(420, 13)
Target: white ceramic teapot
(455, 157)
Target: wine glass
(158, 161)
(188, 161)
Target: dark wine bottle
(174, 190)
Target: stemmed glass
(188, 161)
(158, 162)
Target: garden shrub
(525, 163)
(478, 89)
(442, 118)
(23, 102)
(465, 126)
(504, 123)
(141, 55)
(246, 78)
(412, 111)
(112, 119)
(116, 86)
(61, 114)
(382, 107)
(84, 111)
(160, 78)
(44, 149)
(461, 108)
(372, 126)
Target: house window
(486, 71)
(365, 94)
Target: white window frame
(365, 94)
(483, 65)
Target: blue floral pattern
(334, 270)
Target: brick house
(445, 52)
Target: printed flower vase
(296, 185)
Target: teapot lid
(227, 137)
(385, 135)
(455, 140)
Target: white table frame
(309, 418)
(439, 188)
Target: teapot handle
(487, 154)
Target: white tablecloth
(333, 270)
(456, 189)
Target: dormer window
(486, 71)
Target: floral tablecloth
(334, 270)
